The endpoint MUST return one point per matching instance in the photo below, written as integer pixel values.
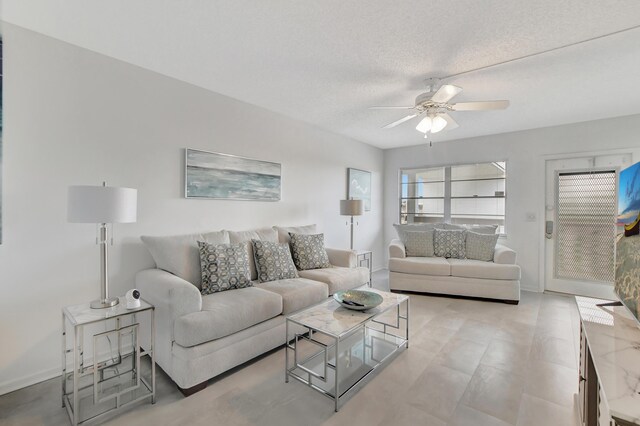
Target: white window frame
(447, 188)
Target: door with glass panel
(581, 207)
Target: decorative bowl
(358, 300)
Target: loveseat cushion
(337, 278)
(488, 270)
(297, 293)
(226, 313)
(421, 266)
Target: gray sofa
(199, 337)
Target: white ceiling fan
(434, 105)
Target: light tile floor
(469, 363)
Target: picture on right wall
(627, 281)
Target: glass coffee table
(333, 349)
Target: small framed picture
(359, 186)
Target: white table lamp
(102, 205)
(351, 208)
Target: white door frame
(542, 164)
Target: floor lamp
(351, 208)
(102, 205)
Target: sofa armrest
(172, 296)
(397, 250)
(504, 255)
(341, 257)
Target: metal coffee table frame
(337, 344)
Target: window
(461, 194)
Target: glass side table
(106, 375)
(364, 259)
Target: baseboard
(32, 379)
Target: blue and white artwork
(360, 186)
(223, 176)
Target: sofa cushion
(297, 293)
(283, 231)
(480, 229)
(224, 267)
(421, 266)
(179, 254)
(402, 229)
(481, 246)
(245, 237)
(273, 261)
(308, 251)
(337, 278)
(449, 243)
(488, 270)
(419, 244)
(226, 313)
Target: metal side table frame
(80, 316)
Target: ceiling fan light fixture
(437, 124)
(424, 125)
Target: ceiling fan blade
(391, 107)
(446, 93)
(451, 123)
(402, 120)
(480, 105)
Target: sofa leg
(511, 302)
(193, 389)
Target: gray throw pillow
(402, 229)
(483, 229)
(481, 246)
(224, 267)
(419, 244)
(273, 261)
(449, 243)
(308, 251)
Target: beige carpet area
(469, 363)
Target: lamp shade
(101, 204)
(351, 207)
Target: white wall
(76, 117)
(525, 153)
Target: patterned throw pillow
(402, 229)
(449, 243)
(273, 261)
(224, 267)
(481, 246)
(308, 251)
(419, 244)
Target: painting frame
(230, 177)
(359, 186)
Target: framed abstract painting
(222, 176)
(359, 186)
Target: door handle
(548, 229)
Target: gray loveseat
(199, 337)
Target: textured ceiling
(325, 62)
